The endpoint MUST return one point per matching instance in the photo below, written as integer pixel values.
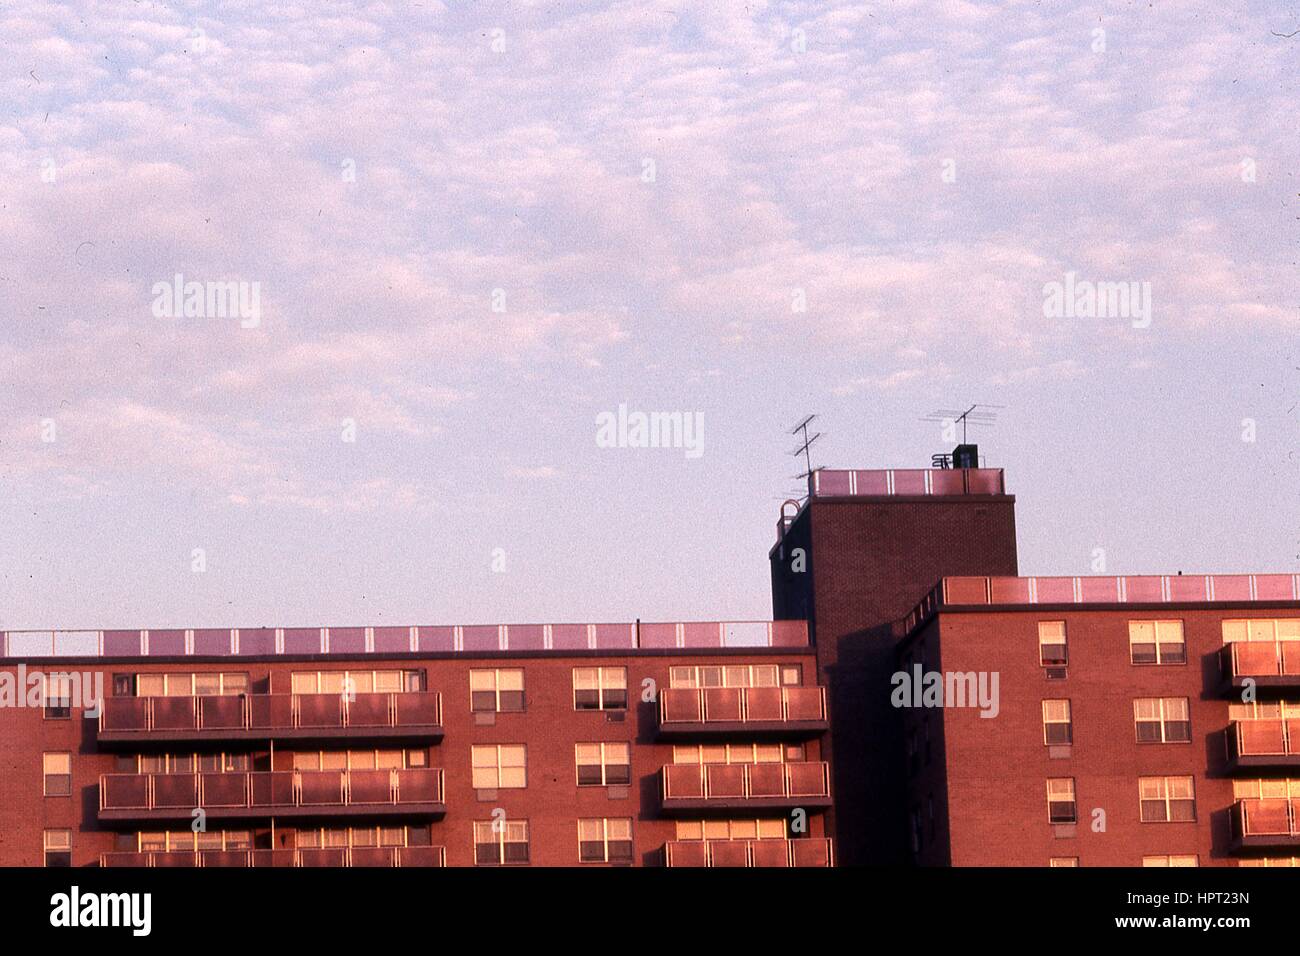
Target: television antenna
(805, 447)
(977, 414)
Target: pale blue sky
(795, 146)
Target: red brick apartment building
(1143, 721)
(554, 745)
(694, 744)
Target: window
(496, 691)
(186, 763)
(603, 765)
(605, 841)
(600, 688)
(1063, 861)
(180, 685)
(1187, 859)
(186, 841)
(1284, 629)
(1060, 800)
(1265, 710)
(1053, 653)
(359, 759)
(1271, 861)
(735, 675)
(326, 838)
(1167, 799)
(1279, 789)
(500, 843)
(1162, 720)
(58, 774)
(352, 682)
(738, 753)
(58, 848)
(499, 766)
(766, 829)
(57, 696)
(1156, 642)
(1057, 728)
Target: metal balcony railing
(1265, 821)
(1263, 738)
(1277, 661)
(122, 796)
(741, 705)
(431, 856)
(725, 783)
(811, 852)
(268, 714)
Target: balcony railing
(748, 786)
(1264, 742)
(286, 793)
(271, 716)
(1267, 663)
(1270, 821)
(353, 856)
(767, 710)
(806, 852)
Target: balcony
(808, 852)
(287, 793)
(747, 786)
(1267, 822)
(750, 711)
(131, 721)
(1265, 742)
(354, 856)
(1267, 663)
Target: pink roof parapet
(921, 482)
(444, 639)
(1119, 589)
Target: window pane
(149, 685)
(58, 763)
(304, 683)
(207, 685)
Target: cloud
(440, 217)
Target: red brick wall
(874, 559)
(991, 773)
(552, 802)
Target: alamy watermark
(624, 429)
(921, 688)
(37, 688)
(1085, 299)
(179, 299)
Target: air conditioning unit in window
(1055, 673)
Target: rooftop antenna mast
(805, 448)
(977, 414)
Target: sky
(469, 230)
